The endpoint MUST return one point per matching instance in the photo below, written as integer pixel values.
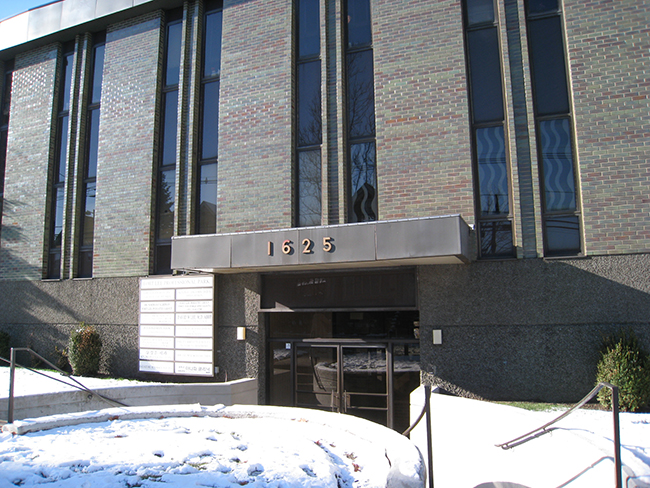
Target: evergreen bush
(84, 349)
(625, 364)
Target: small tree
(625, 364)
(84, 349)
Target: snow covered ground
(222, 452)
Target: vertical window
(90, 162)
(487, 119)
(560, 213)
(362, 203)
(206, 221)
(166, 190)
(309, 120)
(60, 165)
(5, 103)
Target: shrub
(84, 349)
(625, 364)
(5, 349)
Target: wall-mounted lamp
(241, 333)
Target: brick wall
(27, 164)
(255, 149)
(423, 139)
(125, 168)
(608, 46)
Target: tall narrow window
(60, 165)
(5, 103)
(362, 203)
(487, 117)
(166, 191)
(89, 185)
(560, 213)
(206, 221)
(309, 120)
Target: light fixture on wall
(241, 333)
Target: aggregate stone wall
(529, 330)
(41, 314)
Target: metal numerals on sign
(307, 246)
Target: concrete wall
(231, 393)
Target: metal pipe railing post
(427, 407)
(12, 373)
(617, 437)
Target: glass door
(317, 382)
(365, 382)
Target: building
(340, 198)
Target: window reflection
(363, 178)
(361, 94)
(166, 204)
(557, 160)
(309, 198)
(493, 171)
(207, 199)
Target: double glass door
(350, 379)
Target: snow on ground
(266, 453)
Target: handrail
(617, 436)
(79, 385)
(426, 410)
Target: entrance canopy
(431, 240)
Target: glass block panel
(363, 182)
(309, 188)
(557, 164)
(492, 171)
(496, 239)
(208, 199)
(562, 235)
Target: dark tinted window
(485, 69)
(542, 6)
(359, 29)
(98, 74)
(210, 135)
(363, 177)
(59, 174)
(557, 164)
(547, 59)
(93, 144)
(207, 199)
(309, 104)
(479, 11)
(170, 126)
(308, 28)
(492, 171)
(309, 198)
(361, 94)
(212, 55)
(89, 215)
(173, 60)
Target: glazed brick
(124, 203)
(608, 46)
(423, 141)
(27, 164)
(255, 120)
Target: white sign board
(177, 325)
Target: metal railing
(426, 412)
(533, 434)
(12, 380)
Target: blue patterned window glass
(363, 169)
(557, 164)
(492, 170)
